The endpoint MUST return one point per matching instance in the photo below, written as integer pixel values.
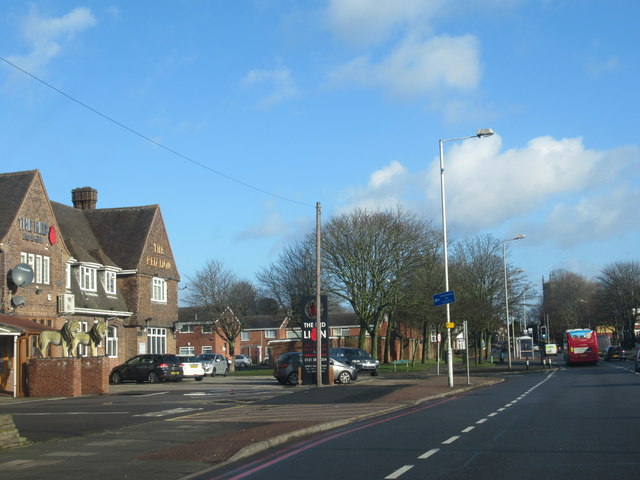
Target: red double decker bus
(581, 346)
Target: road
(578, 422)
(130, 404)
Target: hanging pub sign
(310, 337)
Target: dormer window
(88, 277)
(110, 282)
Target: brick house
(113, 265)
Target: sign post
(310, 337)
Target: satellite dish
(17, 301)
(22, 275)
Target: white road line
(399, 472)
(492, 414)
(164, 413)
(482, 420)
(468, 429)
(429, 453)
(451, 440)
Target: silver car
(213, 364)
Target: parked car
(148, 367)
(242, 361)
(356, 357)
(615, 352)
(286, 369)
(213, 363)
(343, 372)
(191, 367)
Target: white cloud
(369, 22)
(600, 67)
(418, 67)
(279, 82)
(47, 36)
(553, 190)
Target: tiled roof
(13, 187)
(79, 237)
(123, 232)
(22, 324)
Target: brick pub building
(113, 265)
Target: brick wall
(68, 377)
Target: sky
(238, 117)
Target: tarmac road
(240, 416)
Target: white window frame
(111, 347)
(37, 269)
(88, 276)
(67, 274)
(186, 328)
(156, 340)
(207, 349)
(206, 328)
(187, 351)
(270, 333)
(41, 266)
(159, 290)
(110, 282)
(46, 270)
(244, 336)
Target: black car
(615, 352)
(152, 368)
(286, 367)
(356, 357)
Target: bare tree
(565, 295)
(291, 276)
(366, 255)
(215, 289)
(618, 295)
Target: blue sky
(339, 102)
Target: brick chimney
(84, 198)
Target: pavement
(192, 445)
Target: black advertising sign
(310, 339)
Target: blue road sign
(444, 298)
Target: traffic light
(543, 332)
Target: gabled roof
(123, 232)
(79, 237)
(14, 187)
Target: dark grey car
(357, 357)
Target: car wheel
(375, 373)
(116, 378)
(153, 377)
(344, 377)
(199, 379)
(226, 371)
(292, 379)
(213, 372)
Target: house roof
(14, 187)
(264, 322)
(79, 237)
(21, 324)
(123, 232)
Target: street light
(506, 294)
(483, 132)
